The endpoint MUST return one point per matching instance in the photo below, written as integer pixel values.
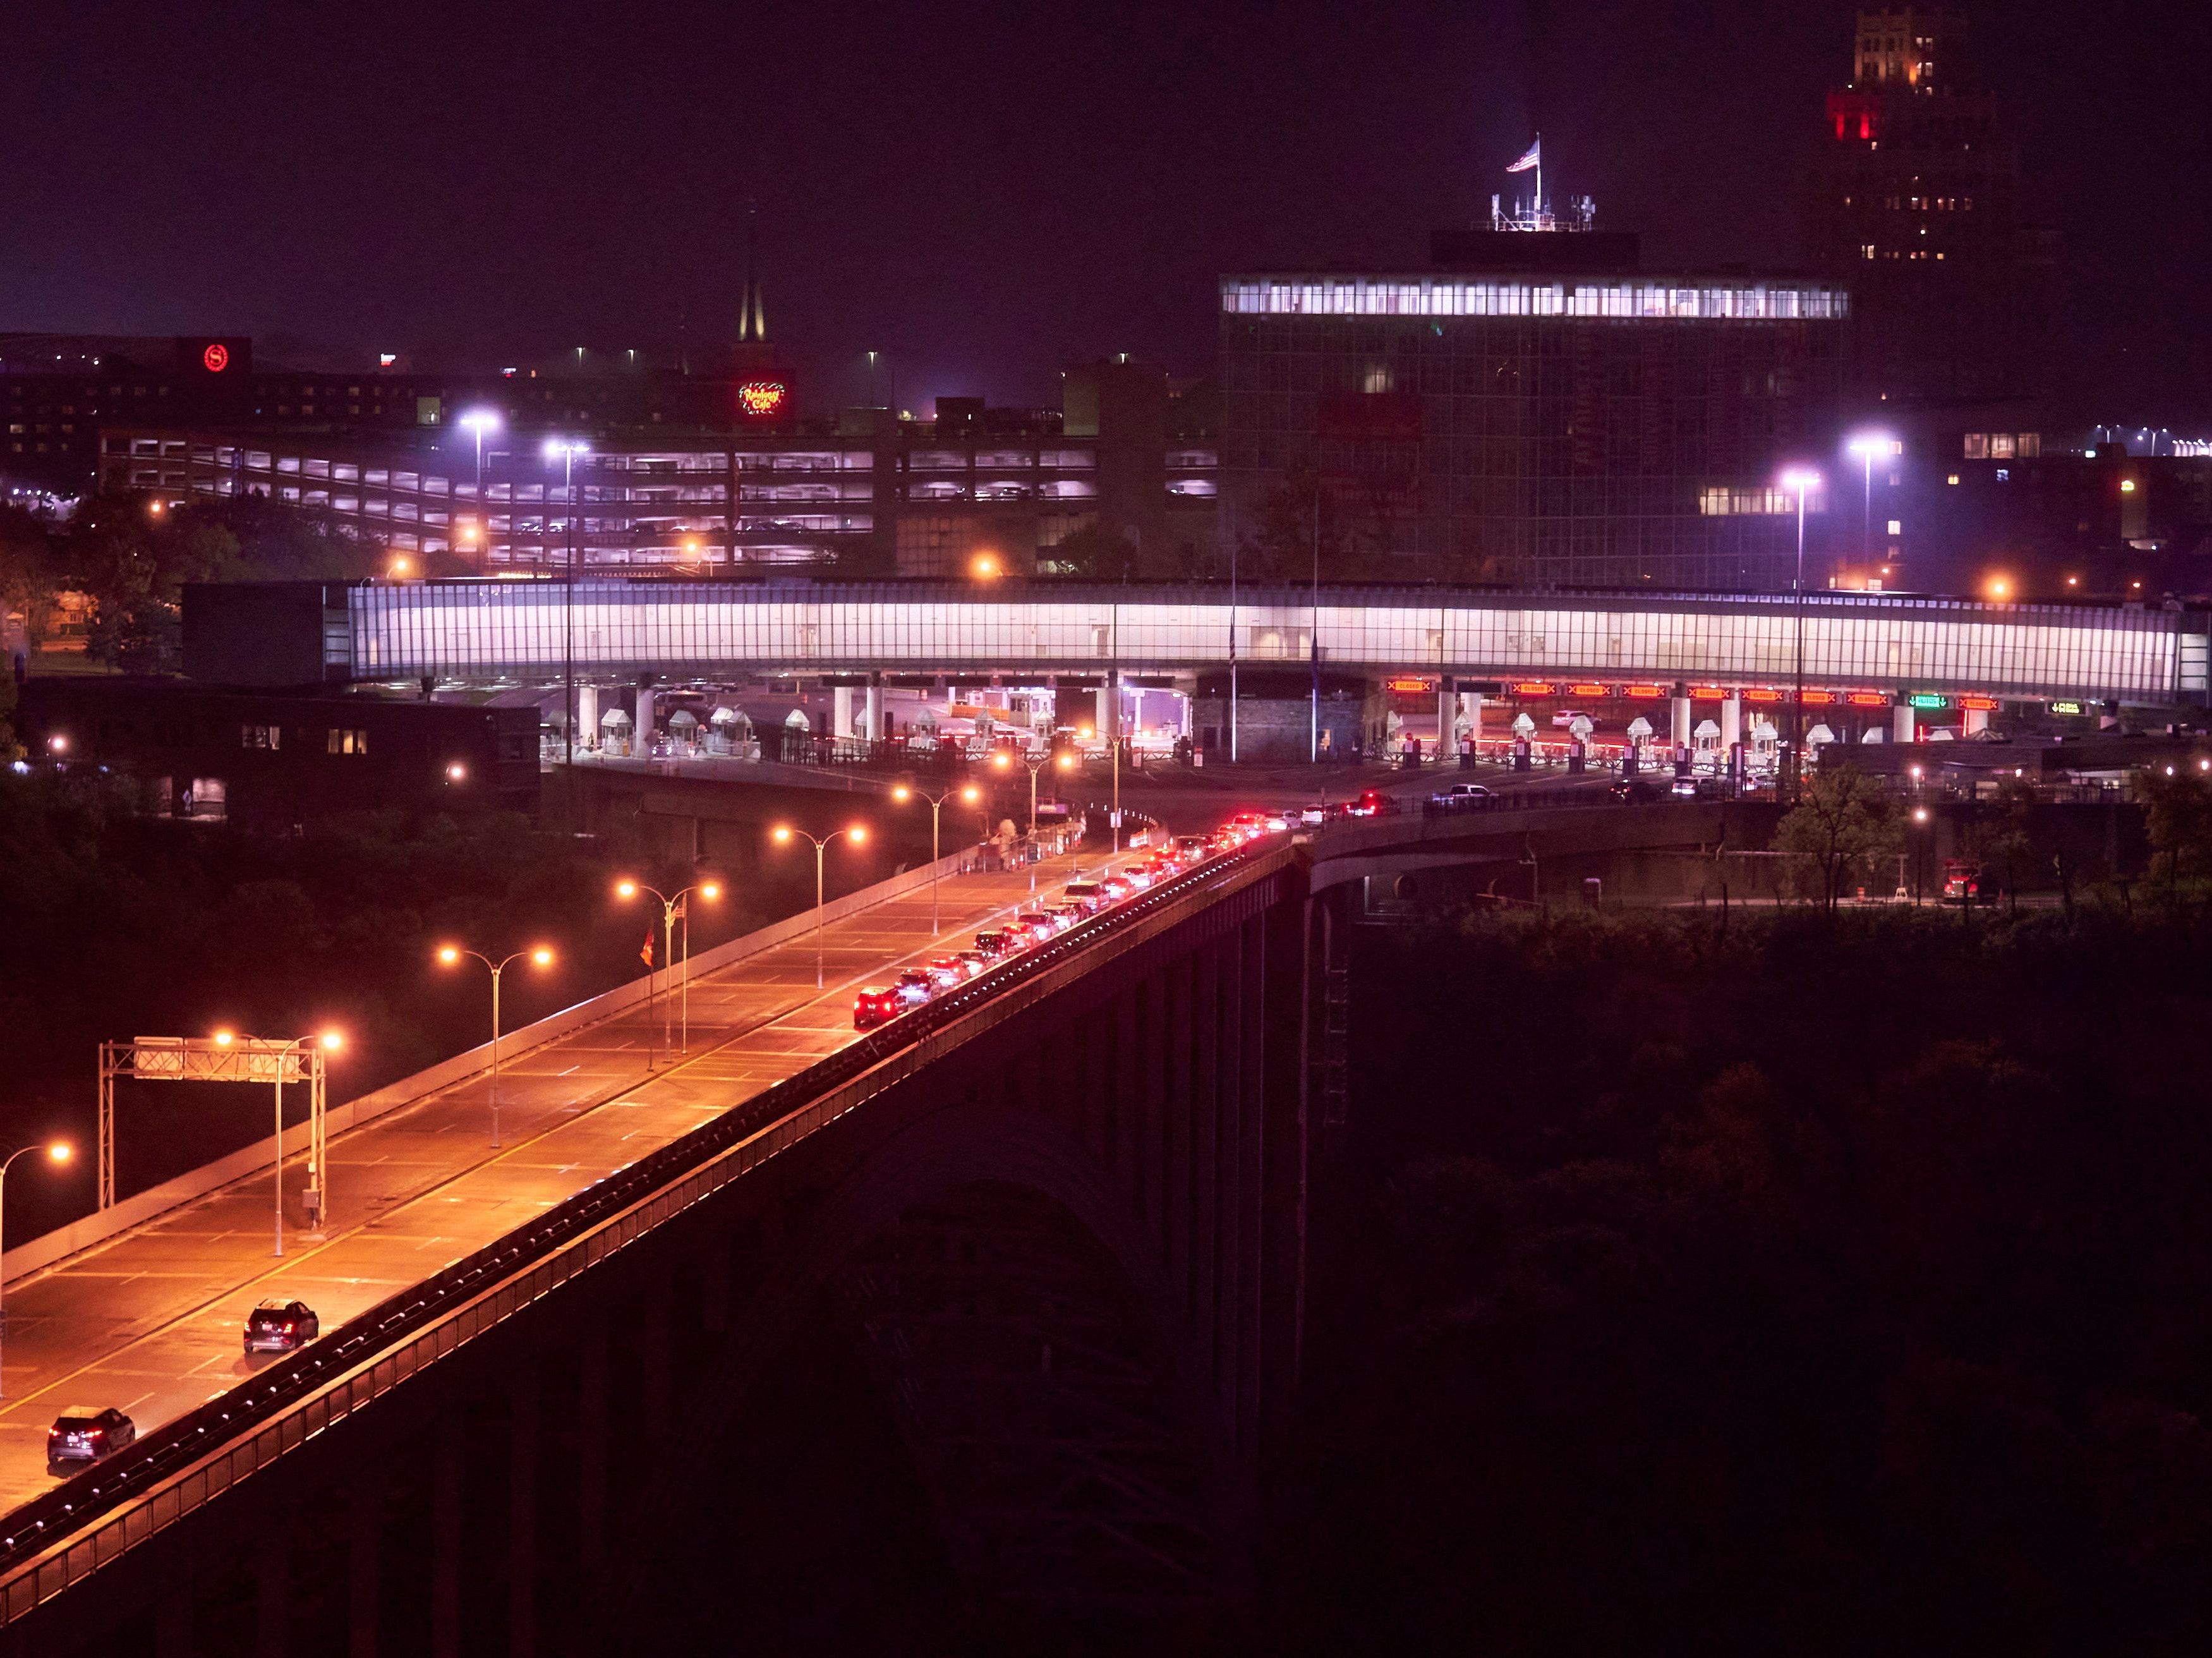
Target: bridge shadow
(950, 1421)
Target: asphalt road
(151, 1321)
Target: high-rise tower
(1917, 205)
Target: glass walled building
(1505, 424)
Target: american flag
(1533, 158)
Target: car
(1277, 822)
(1041, 923)
(915, 985)
(1137, 880)
(85, 1433)
(277, 1326)
(1067, 915)
(1373, 802)
(1633, 791)
(1090, 895)
(1191, 849)
(1020, 934)
(976, 960)
(1115, 887)
(993, 941)
(1685, 788)
(1565, 717)
(876, 1004)
(1462, 792)
(944, 973)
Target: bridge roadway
(151, 1321)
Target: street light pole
(1802, 481)
(448, 954)
(59, 1151)
(670, 907)
(569, 449)
(971, 794)
(856, 833)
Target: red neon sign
(1869, 699)
(216, 357)
(1979, 704)
(1762, 694)
(1530, 688)
(1412, 684)
(1708, 693)
(1644, 693)
(1586, 690)
(761, 399)
(1823, 698)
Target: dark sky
(986, 190)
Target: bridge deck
(150, 1322)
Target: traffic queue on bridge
(1080, 898)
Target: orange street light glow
(985, 567)
(780, 833)
(710, 890)
(971, 793)
(542, 957)
(223, 1039)
(60, 1152)
(857, 834)
(448, 954)
(332, 1041)
(902, 795)
(628, 889)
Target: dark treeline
(1812, 1284)
(113, 925)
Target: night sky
(985, 191)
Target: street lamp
(59, 1151)
(856, 834)
(479, 421)
(672, 909)
(450, 955)
(567, 449)
(970, 795)
(986, 568)
(1866, 446)
(329, 1042)
(1803, 481)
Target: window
(1977, 446)
(1897, 526)
(260, 736)
(2001, 446)
(348, 742)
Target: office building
(1537, 410)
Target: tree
(27, 573)
(135, 573)
(2005, 841)
(1280, 545)
(2176, 815)
(1095, 553)
(1844, 819)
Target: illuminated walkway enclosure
(509, 629)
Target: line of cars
(87, 1433)
(1080, 898)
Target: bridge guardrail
(167, 1476)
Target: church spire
(752, 315)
